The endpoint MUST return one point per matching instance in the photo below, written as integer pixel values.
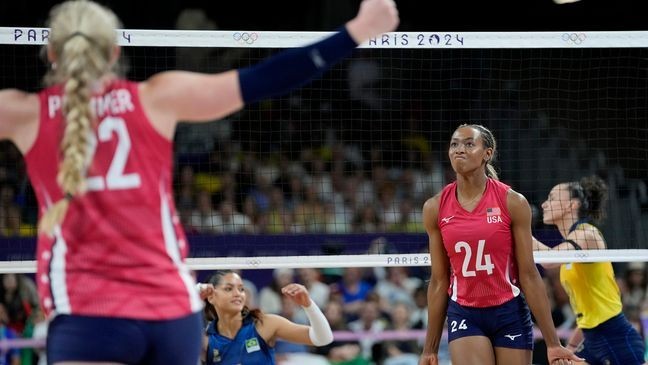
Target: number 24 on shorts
(462, 326)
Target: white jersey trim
(172, 248)
(514, 289)
(454, 288)
(57, 275)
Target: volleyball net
(335, 174)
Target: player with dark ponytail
(604, 335)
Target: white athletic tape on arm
(320, 332)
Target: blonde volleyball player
(482, 265)
(604, 336)
(98, 150)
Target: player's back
(480, 247)
(120, 249)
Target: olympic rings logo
(245, 37)
(581, 255)
(253, 262)
(575, 38)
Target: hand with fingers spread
(559, 355)
(297, 293)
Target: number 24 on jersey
(482, 261)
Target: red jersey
(480, 246)
(120, 250)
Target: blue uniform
(73, 338)
(506, 325)
(613, 342)
(609, 339)
(247, 348)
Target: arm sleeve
(293, 68)
(320, 332)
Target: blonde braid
(84, 49)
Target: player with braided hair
(99, 152)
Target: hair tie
(79, 34)
(68, 196)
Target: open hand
(559, 355)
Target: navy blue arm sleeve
(293, 68)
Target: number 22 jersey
(120, 249)
(480, 246)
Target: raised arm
(530, 280)
(183, 96)
(19, 113)
(437, 294)
(319, 332)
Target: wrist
(571, 346)
(355, 29)
(309, 306)
(430, 350)
(429, 354)
(553, 344)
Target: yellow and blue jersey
(592, 289)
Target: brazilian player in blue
(604, 336)
(238, 335)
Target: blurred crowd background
(359, 151)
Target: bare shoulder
(588, 237)
(431, 213)
(191, 96)
(516, 201)
(160, 84)
(158, 95)
(431, 207)
(513, 197)
(16, 104)
(15, 93)
(19, 112)
(432, 204)
(518, 207)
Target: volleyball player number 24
(482, 262)
(115, 179)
